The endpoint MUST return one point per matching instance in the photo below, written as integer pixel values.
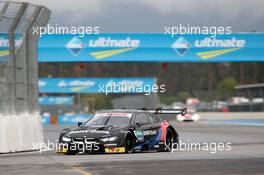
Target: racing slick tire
(170, 140)
(71, 152)
(129, 143)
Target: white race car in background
(190, 116)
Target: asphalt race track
(245, 157)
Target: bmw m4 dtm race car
(120, 131)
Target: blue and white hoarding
(73, 118)
(240, 47)
(56, 100)
(4, 45)
(96, 85)
(151, 48)
(45, 117)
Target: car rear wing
(166, 111)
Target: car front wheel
(129, 143)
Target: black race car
(119, 131)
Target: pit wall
(231, 115)
(204, 116)
(20, 133)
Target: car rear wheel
(70, 153)
(169, 140)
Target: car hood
(95, 131)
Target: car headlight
(180, 117)
(66, 139)
(196, 116)
(109, 139)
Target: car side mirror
(80, 124)
(139, 124)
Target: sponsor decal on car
(139, 134)
(117, 114)
(62, 150)
(89, 131)
(115, 150)
(149, 132)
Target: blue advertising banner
(45, 118)
(96, 85)
(56, 100)
(73, 118)
(151, 48)
(4, 45)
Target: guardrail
(247, 107)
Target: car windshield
(110, 119)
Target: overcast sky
(153, 15)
